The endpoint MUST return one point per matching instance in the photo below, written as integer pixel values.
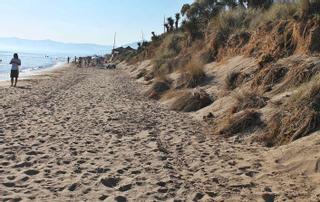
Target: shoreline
(37, 74)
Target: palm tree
(185, 9)
(166, 25)
(177, 20)
(171, 23)
(154, 36)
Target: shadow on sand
(24, 87)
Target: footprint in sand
(9, 184)
(103, 197)
(125, 188)
(120, 199)
(73, 187)
(31, 172)
(110, 182)
(161, 184)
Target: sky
(85, 21)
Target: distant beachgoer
(89, 61)
(80, 62)
(68, 60)
(75, 59)
(15, 62)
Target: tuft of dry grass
(229, 21)
(299, 117)
(268, 77)
(231, 80)
(299, 74)
(142, 73)
(265, 59)
(248, 100)
(234, 79)
(278, 11)
(170, 47)
(192, 76)
(158, 88)
(241, 122)
(190, 101)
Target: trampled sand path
(89, 135)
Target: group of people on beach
(84, 62)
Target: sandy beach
(90, 135)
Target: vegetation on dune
(190, 101)
(192, 75)
(248, 100)
(158, 88)
(211, 30)
(235, 79)
(241, 122)
(215, 22)
(297, 118)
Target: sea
(31, 63)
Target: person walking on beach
(15, 62)
(68, 60)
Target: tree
(259, 3)
(192, 27)
(202, 10)
(185, 9)
(232, 3)
(154, 36)
(177, 20)
(241, 3)
(316, 6)
(170, 23)
(166, 25)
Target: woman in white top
(15, 62)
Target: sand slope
(89, 135)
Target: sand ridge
(90, 135)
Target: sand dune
(89, 135)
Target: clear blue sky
(85, 21)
